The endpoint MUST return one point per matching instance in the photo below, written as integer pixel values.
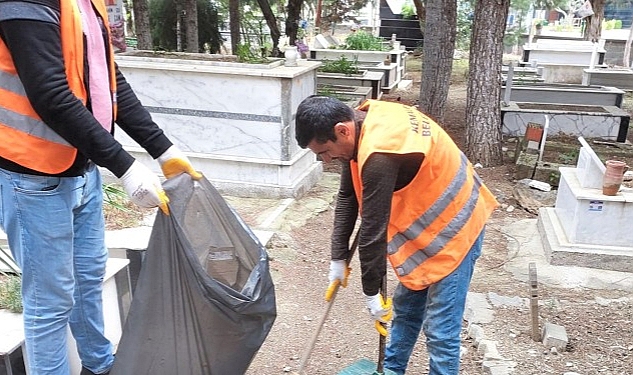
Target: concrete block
(555, 336)
(515, 301)
(486, 346)
(488, 349)
(478, 310)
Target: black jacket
(31, 31)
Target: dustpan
(364, 367)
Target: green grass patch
(459, 73)
(10, 295)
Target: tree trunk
(437, 61)
(317, 16)
(271, 22)
(627, 48)
(593, 27)
(483, 96)
(191, 26)
(141, 24)
(234, 24)
(420, 10)
(292, 22)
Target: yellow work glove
(339, 272)
(381, 311)
(144, 188)
(173, 162)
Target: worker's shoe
(85, 371)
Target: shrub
(408, 11)
(10, 284)
(340, 65)
(608, 25)
(363, 41)
(618, 24)
(10, 296)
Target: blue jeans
(55, 229)
(438, 311)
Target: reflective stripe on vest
(448, 233)
(12, 83)
(30, 124)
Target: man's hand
(339, 272)
(173, 162)
(380, 310)
(144, 188)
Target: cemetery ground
(598, 322)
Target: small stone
(476, 333)
(553, 350)
(554, 335)
(287, 369)
(510, 208)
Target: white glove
(173, 162)
(143, 187)
(338, 271)
(378, 308)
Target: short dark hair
(316, 117)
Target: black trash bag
(205, 301)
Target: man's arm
(136, 121)
(379, 176)
(35, 47)
(345, 215)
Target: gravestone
(587, 228)
(321, 42)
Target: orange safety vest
(26, 139)
(435, 219)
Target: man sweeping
(422, 206)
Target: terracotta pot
(613, 176)
(534, 132)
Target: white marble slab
(582, 123)
(589, 168)
(11, 332)
(589, 217)
(236, 123)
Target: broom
(308, 350)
